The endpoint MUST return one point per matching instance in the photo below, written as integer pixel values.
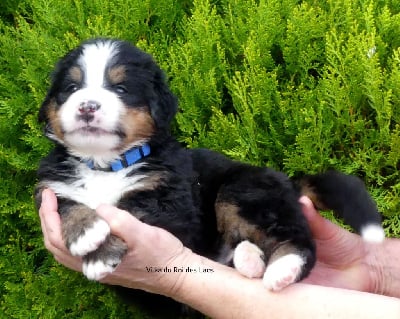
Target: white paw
(91, 239)
(283, 272)
(97, 270)
(248, 260)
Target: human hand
(153, 253)
(343, 258)
(149, 248)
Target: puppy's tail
(347, 196)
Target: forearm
(223, 293)
(226, 294)
(383, 262)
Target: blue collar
(127, 159)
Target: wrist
(375, 270)
(383, 262)
(176, 273)
(190, 269)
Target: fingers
(49, 201)
(50, 221)
(123, 224)
(51, 227)
(135, 233)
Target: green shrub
(299, 86)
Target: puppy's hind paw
(103, 261)
(248, 260)
(283, 272)
(97, 270)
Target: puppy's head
(106, 96)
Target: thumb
(50, 221)
(321, 228)
(49, 202)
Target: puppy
(108, 111)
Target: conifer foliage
(301, 86)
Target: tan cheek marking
(54, 120)
(117, 74)
(75, 74)
(138, 125)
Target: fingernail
(303, 200)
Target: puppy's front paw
(83, 230)
(248, 260)
(104, 260)
(283, 272)
(90, 239)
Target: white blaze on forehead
(95, 59)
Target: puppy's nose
(89, 106)
(87, 110)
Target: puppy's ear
(42, 115)
(45, 109)
(164, 106)
(59, 72)
(49, 100)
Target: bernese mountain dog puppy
(108, 111)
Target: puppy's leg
(82, 229)
(285, 265)
(86, 234)
(258, 214)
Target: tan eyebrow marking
(117, 74)
(76, 74)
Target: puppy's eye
(71, 88)
(120, 89)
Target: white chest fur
(93, 187)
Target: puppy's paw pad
(283, 272)
(97, 270)
(91, 239)
(248, 260)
